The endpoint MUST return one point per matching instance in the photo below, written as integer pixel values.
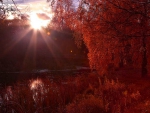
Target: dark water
(10, 78)
(23, 51)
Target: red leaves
(106, 26)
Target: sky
(30, 7)
(32, 4)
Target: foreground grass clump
(79, 94)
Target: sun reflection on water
(36, 84)
(37, 88)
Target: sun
(36, 22)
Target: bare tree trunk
(144, 59)
(144, 52)
(121, 64)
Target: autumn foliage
(116, 32)
(78, 94)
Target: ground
(132, 77)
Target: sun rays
(27, 34)
(28, 37)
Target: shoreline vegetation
(84, 92)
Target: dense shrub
(80, 94)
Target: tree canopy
(116, 32)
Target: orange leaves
(106, 26)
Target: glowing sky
(38, 12)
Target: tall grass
(80, 94)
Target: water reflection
(9, 94)
(38, 90)
(36, 84)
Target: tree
(110, 28)
(136, 25)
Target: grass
(132, 79)
(84, 93)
